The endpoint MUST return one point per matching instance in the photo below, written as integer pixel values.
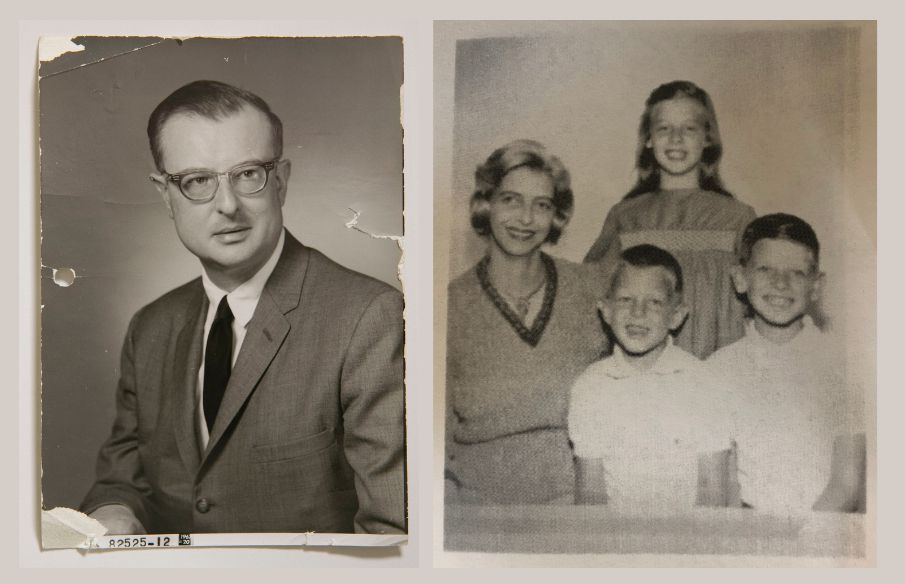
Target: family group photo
(655, 256)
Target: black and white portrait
(222, 316)
(657, 246)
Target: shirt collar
(671, 360)
(807, 332)
(244, 299)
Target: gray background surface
(339, 99)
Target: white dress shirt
(242, 302)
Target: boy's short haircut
(778, 226)
(649, 256)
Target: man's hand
(119, 520)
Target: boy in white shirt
(649, 430)
(801, 439)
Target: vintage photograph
(655, 263)
(222, 326)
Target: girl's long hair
(646, 163)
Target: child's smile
(781, 280)
(642, 308)
(676, 155)
(779, 302)
(678, 135)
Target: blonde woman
(522, 326)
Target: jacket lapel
(265, 335)
(185, 380)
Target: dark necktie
(217, 361)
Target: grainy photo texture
(657, 242)
(222, 328)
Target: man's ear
(281, 173)
(739, 279)
(160, 182)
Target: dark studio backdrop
(339, 99)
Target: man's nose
(225, 199)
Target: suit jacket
(310, 433)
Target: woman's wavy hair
(521, 154)
(646, 163)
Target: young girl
(679, 204)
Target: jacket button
(202, 505)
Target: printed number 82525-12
(140, 542)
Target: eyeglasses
(245, 179)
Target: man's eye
(197, 181)
(247, 173)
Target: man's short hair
(519, 154)
(209, 99)
(778, 226)
(649, 256)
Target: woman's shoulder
(464, 282)
(567, 268)
(587, 279)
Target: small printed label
(145, 541)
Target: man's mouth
(229, 235)
(228, 230)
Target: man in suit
(266, 395)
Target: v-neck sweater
(507, 400)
